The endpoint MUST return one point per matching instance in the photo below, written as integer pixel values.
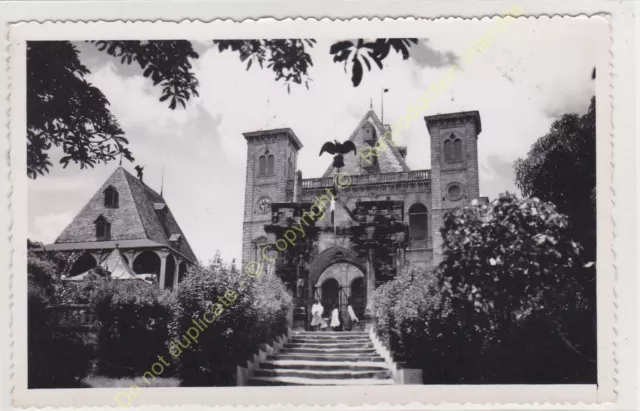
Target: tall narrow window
(448, 151)
(418, 222)
(103, 229)
(270, 165)
(262, 168)
(111, 197)
(457, 150)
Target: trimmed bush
(244, 313)
(133, 318)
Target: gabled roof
(136, 218)
(389, 161)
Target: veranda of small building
(142, 256)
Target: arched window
(262, 168)
(457, 149)
(418, 222)
(448, 150)
(290, 169)
(111, 197)
(270, 165)
(103, 229)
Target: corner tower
(272, 158)
(454, 166)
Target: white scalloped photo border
(375, 397)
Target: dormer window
(370, 135)
(103, 229)
(111, 198)
(175, 240)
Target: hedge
(255, 310)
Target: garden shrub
(506, 301)
(55, 359)
(133, 317)
(258, 312)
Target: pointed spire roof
(389, 161)
(141, 217)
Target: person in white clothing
(352, 315)
(335, 318)
(316, 313)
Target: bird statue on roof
(338, 149)
(139, 171)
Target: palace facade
(388, 217)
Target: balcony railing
(361, 179)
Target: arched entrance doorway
(83, 264)
(329, 294)
(358, 296)
(342, 266)
(334, 287)
(147, 262)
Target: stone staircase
(324, 358)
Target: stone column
(297, 186)
(371, 271)
(131, 255)
(163, 266)
(371, 274)
(176, 273)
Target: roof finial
(139, 171)
(371, 104)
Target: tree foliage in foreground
(561, 168)
(64, 110)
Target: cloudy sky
(534, 72)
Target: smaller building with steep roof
(127, 215)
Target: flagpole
(382, 106)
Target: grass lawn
(108, 382)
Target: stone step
(329, 334)
(322, 365)
(313, 340)
(327, 357)
(330, 345)
(363, 351)
(262, 381)
(323, 374)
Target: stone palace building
(387, 218)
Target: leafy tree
(512, 267)
(362, 51)
(66, 111)
(561, 168)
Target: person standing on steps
(351, 316)
(335, 318)
(316, 313)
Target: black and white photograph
(315, 211)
